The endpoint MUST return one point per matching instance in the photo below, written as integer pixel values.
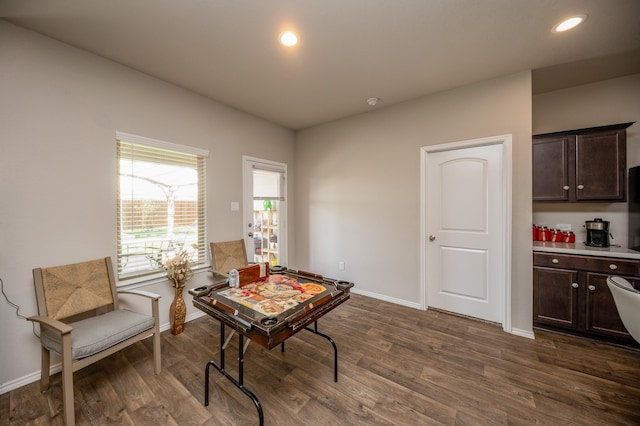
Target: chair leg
(156, 336)
(45, 367)
(157, 364)
(67, 381)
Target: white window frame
(155, 272)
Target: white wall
(598, 104)
(59, 110)
(358, 187)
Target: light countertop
(582, 249)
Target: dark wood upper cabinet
(581, 165)
(551, 168)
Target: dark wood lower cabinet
(601, 319)
(555, 299)
(570, 294)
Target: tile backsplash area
(575, 214)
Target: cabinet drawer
(603, 265)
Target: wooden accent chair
(228, 255)
(627, 301)
(80, 319)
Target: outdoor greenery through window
(161, 204)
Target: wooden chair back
(76, 291)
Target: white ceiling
(351, 49)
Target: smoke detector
(373, 101)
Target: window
(161, 203)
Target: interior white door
(465, 232)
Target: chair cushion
(92, 335)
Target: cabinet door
(555, 297)
(601, 166)
(602, 315)
(551, 168)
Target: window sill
(148, 280)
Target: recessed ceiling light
(288, 38)
(569, 23)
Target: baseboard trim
(523, 333)
(387, 298)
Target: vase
(177, 311)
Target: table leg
(238, 383)
(314, 330)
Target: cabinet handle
(580, 186)
(574, 285)
(566, 187)
(613, 266)
(555, 261)
(592, 287)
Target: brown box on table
(251, 274)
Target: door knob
(432, 237)
(250, 234)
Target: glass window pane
(161, 200)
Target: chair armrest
(59, 326)
(142, 293)
(153, 297)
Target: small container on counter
(544, 234)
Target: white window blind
(161, 203)
(268, 184)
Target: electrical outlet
(341, 265)
(564, 226)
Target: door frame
(247, 194)
(506, 142)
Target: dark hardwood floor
(398, 366)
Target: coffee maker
(597, 232)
